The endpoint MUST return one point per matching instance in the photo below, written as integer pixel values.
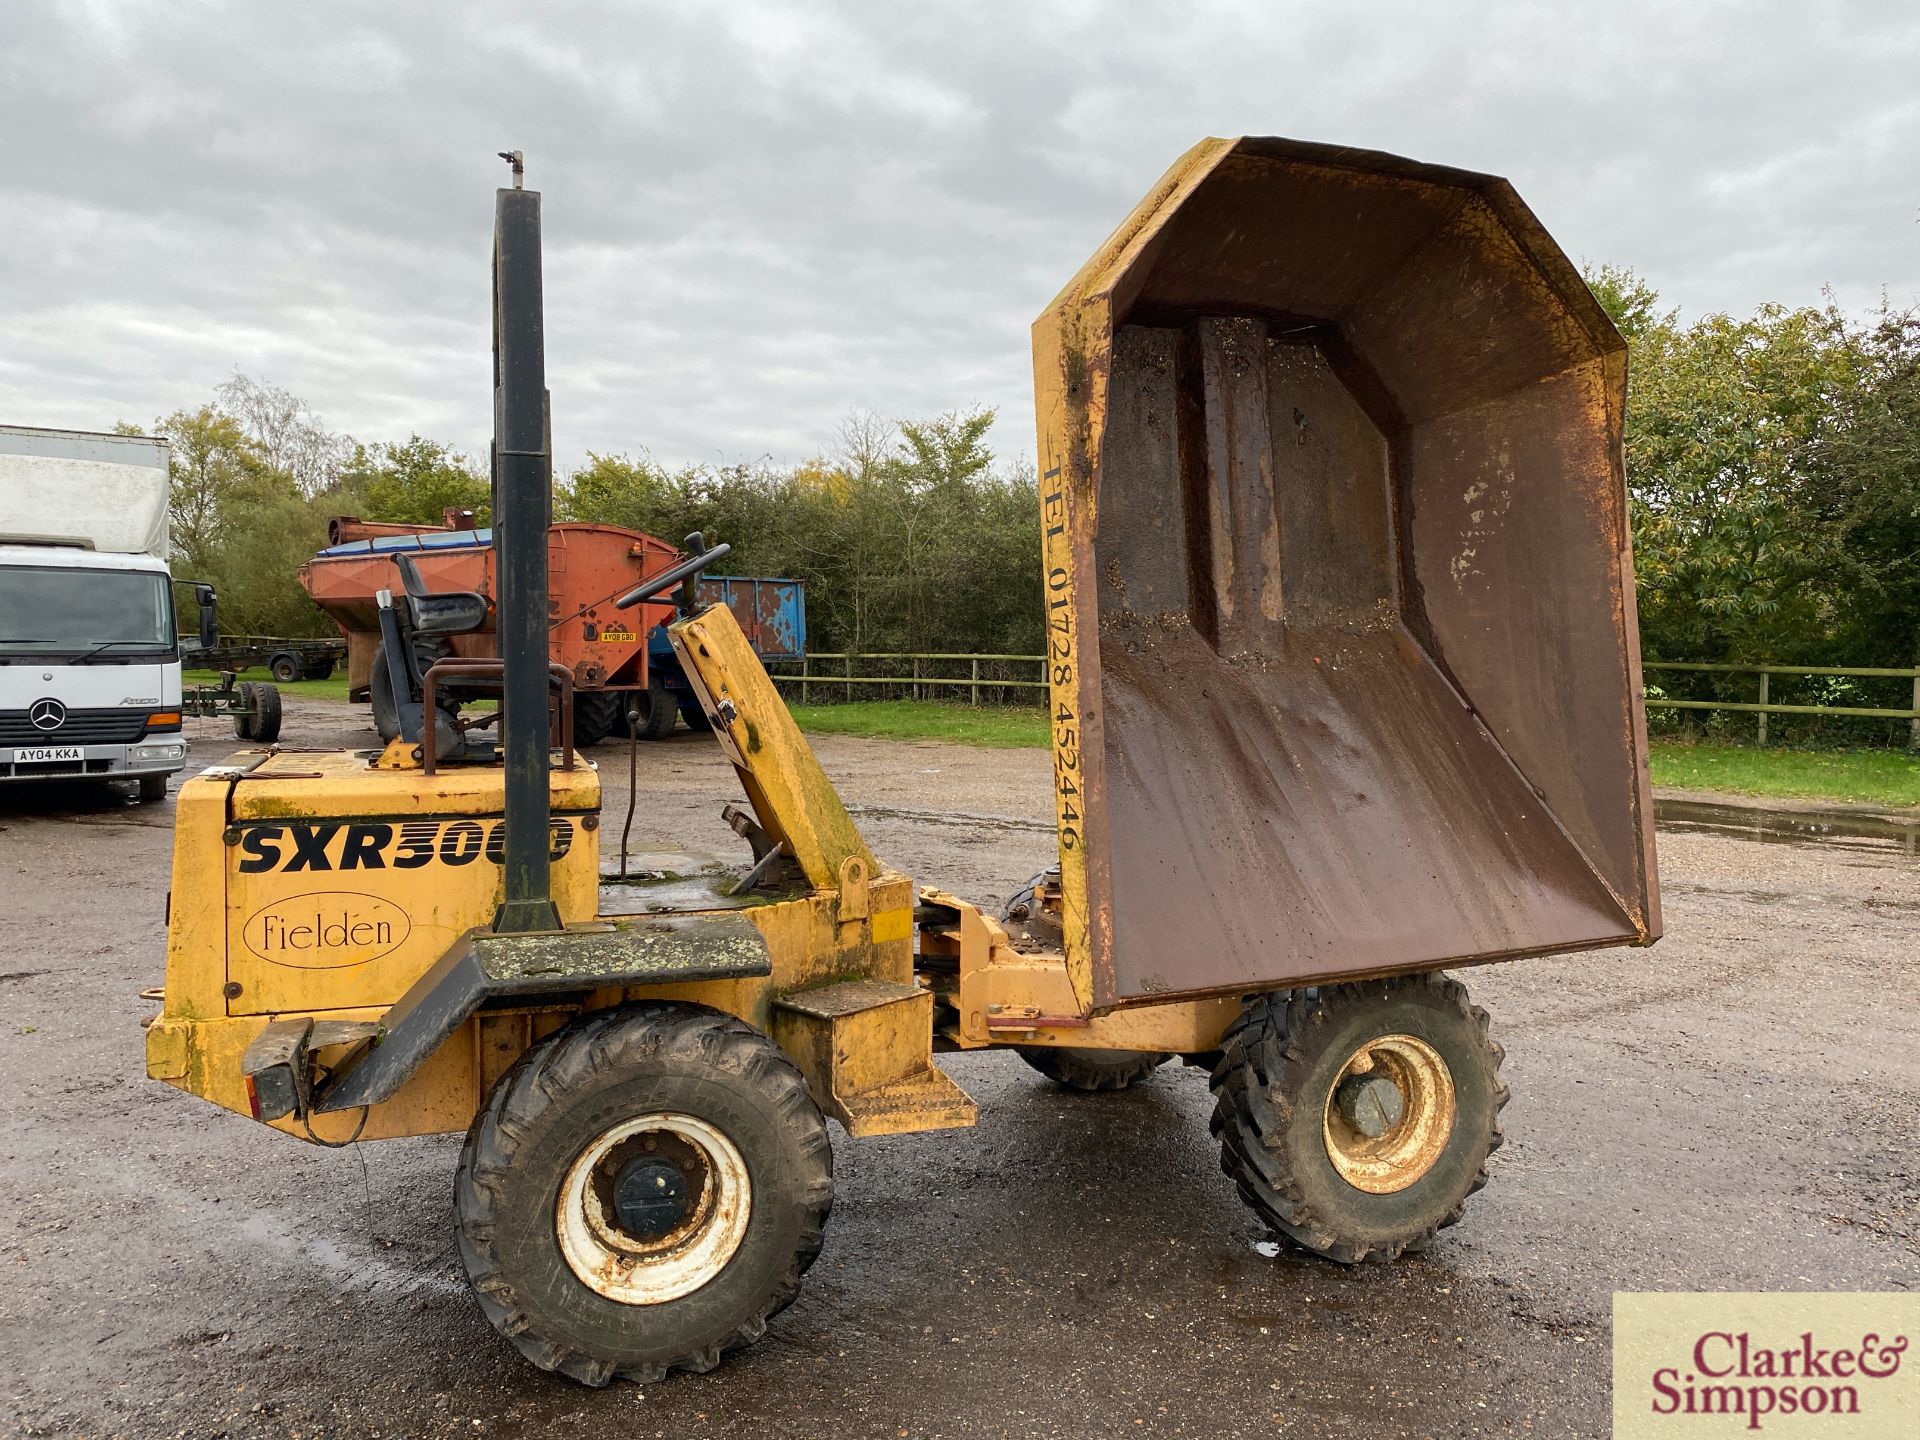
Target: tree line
(1773, 463)
(910, 535)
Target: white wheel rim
(628, 1269)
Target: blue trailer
(773, 613)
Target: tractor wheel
(1357, 1119)
(284, 666)
(1092, 1069)
(386, 715)
(243, 716)
(595, 715)
(320, 669)
(695, 717)
(153, 789)
(657, 710)
(642, 1191)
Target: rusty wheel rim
(699, 1226)
(1372, 1147)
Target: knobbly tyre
(1345, 692)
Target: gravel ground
(1735, 1109)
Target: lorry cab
(89, 647)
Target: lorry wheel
(657, 710)
(595, 714)
(153, 788)
(1357, 1119)
(642, 1191)
(320, 669)
(1079, 1069)
(284, 666)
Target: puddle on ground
(1837, 829)
(660, 880)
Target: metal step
(866, 1048)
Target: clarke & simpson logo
(1794, 1365)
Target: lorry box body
(89, 650)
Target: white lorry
(89, 652)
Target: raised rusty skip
(1344, 666)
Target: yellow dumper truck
(1344, 690)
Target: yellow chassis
(324, 885)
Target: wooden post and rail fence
(920, 674)
(1763, 706)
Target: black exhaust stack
(522, 511)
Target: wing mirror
(209, 626)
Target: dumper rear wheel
(642, 1192)
(1079, 1069)
(1032, 921)
(1357, 1119)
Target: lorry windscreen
(50, 613)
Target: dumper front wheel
(642, 1192)
(1357, 1119)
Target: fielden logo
(1795, 1365)
(326, 930)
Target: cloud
(760, 216)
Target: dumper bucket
(1344, 663)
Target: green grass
(1878, 777)
(334, 687)
(994, 727)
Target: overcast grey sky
(760, 216)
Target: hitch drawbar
(278, 1065)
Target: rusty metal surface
(1343, 657)
(587, 566)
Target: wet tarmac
(1735, 1109)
